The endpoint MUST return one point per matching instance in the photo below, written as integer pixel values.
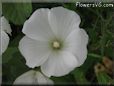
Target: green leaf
(103, 78)
(68, 79)
(17, 13)
(14, 68)
(18, 65)
(16, 40)
(8, 54)
(12, 49)
(70, 6)
(80, 76)
(111, 82)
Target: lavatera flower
(4, 38)
(33, 77)
(54, 41)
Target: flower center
(56, 45)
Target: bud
(108, 64)
(99, 68)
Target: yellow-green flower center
(56, 45)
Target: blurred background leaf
(8, 54)
(13, 65)
(103, 78)
(79, 76)
(64, 80)
(17, 13)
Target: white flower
(54, 41)
(4, 38)
(33, 77)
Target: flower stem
(95, 55)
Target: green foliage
(65, 80)
(13, 61)
(103, 78)
(80, 76)
(17, 13)
(14, 68)
(9, 54)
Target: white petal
(32, 77)
(26, 78)
(76, 42)
(5, 26)
(35, 52)
(59, 64)
(63, 21)
(4, 38)
(37, 27)
(43, 79)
